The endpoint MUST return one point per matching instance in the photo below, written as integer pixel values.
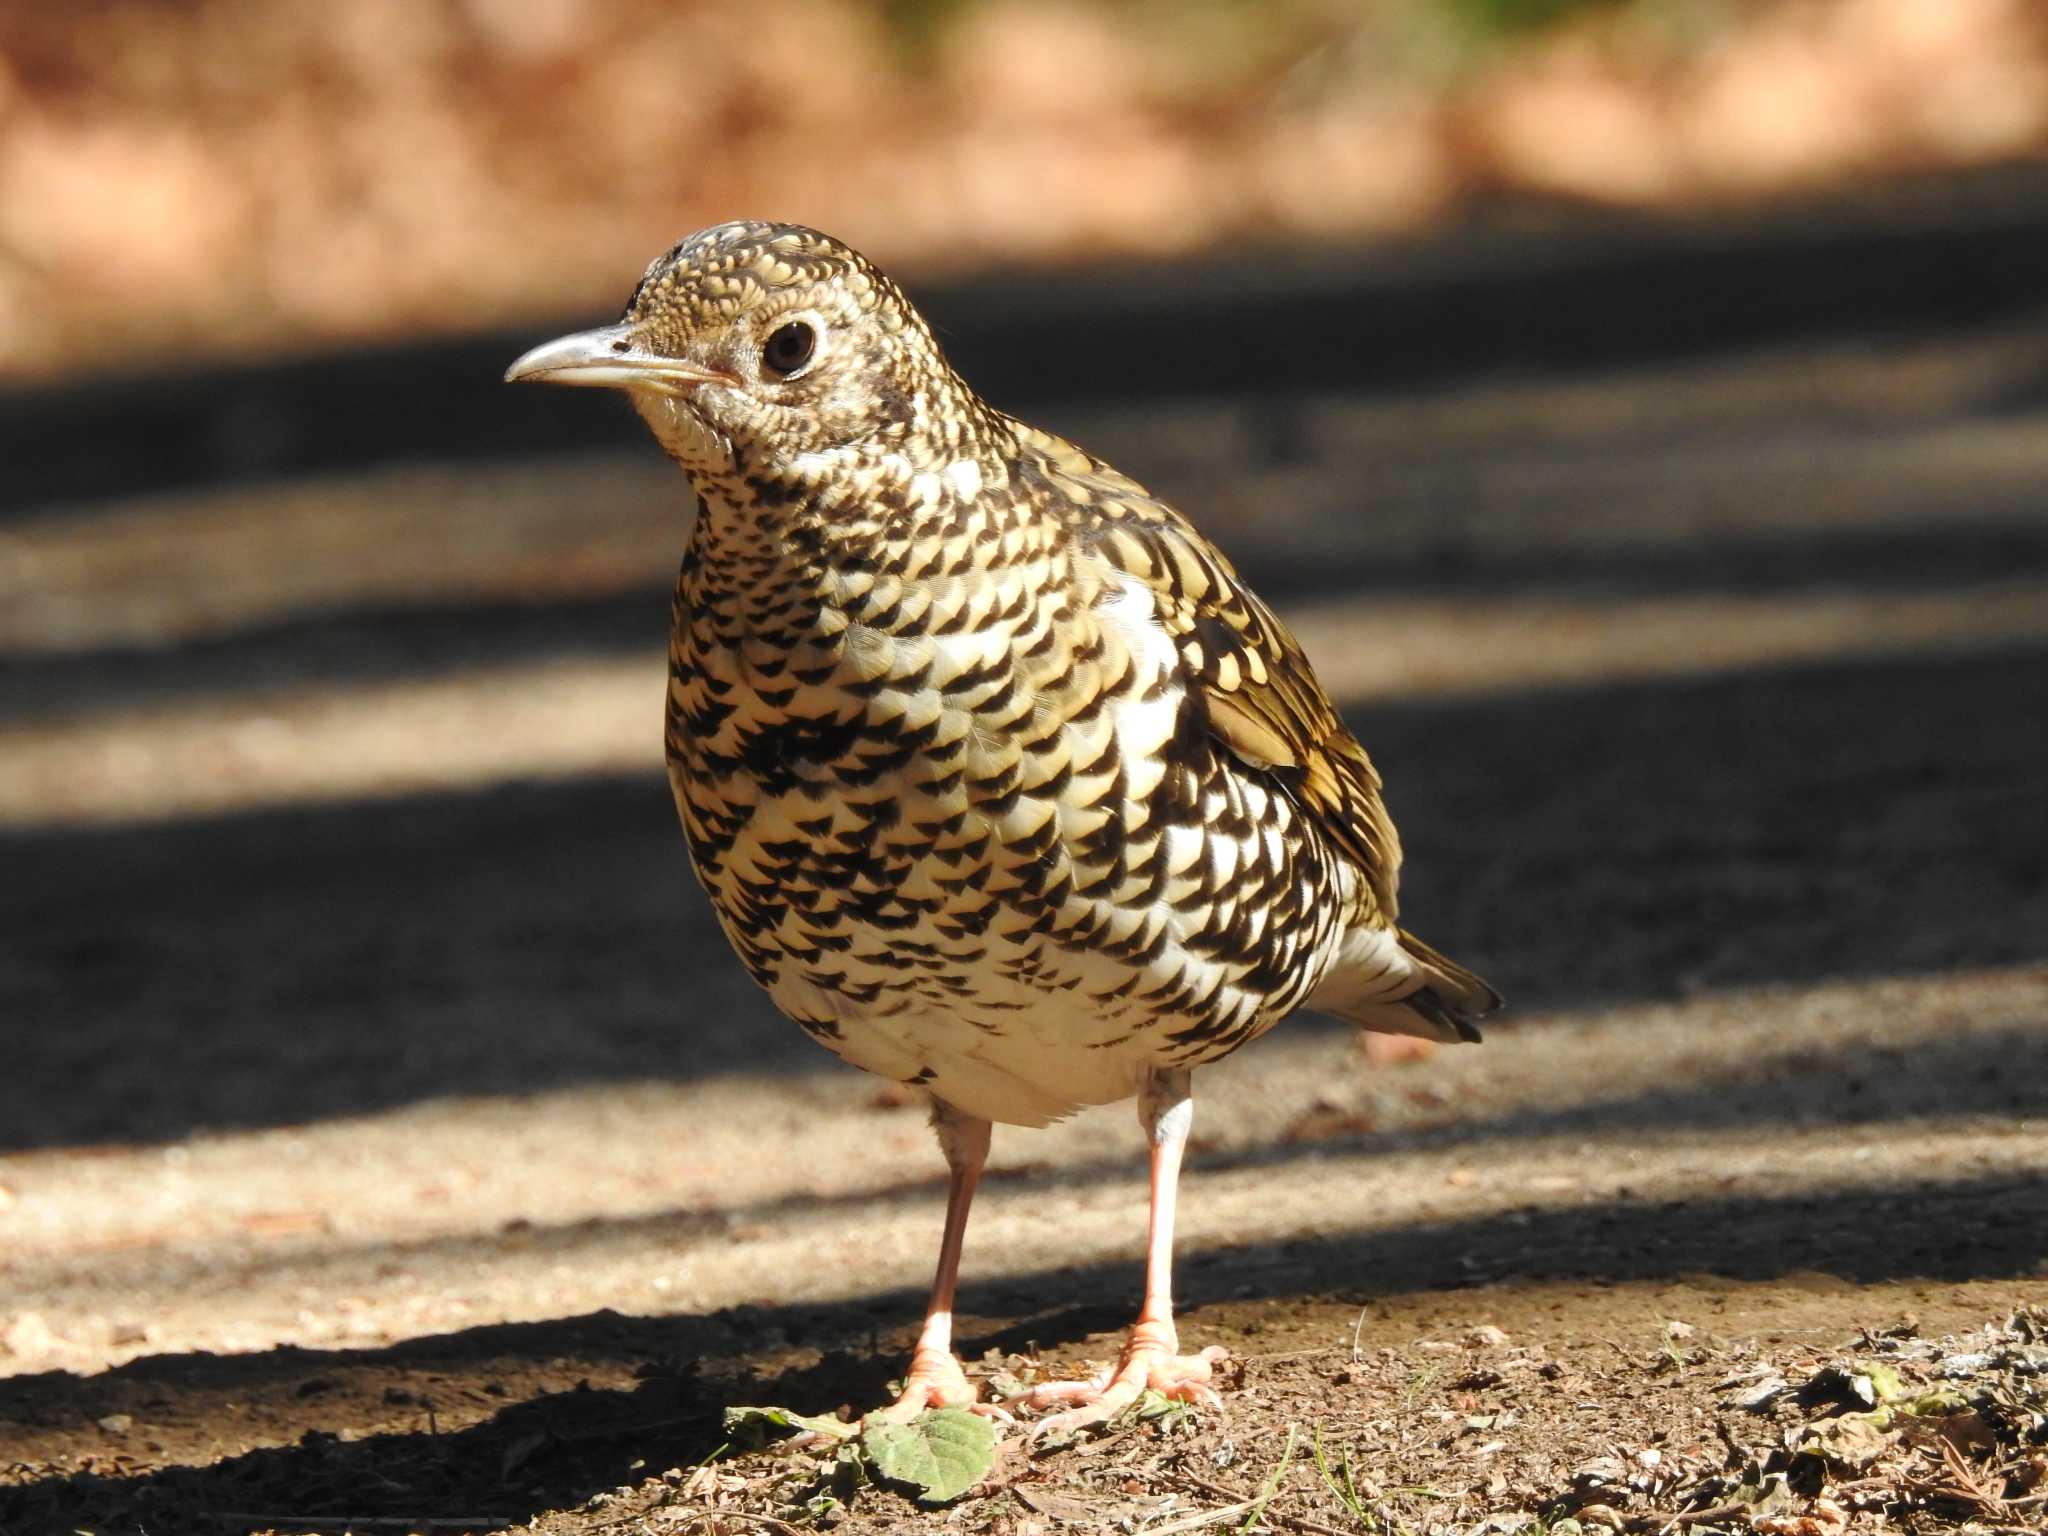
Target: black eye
(790, 348)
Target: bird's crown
(731, 267)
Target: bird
(1000, 779)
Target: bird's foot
(1151, 1361)
(935, 1380)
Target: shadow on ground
(1523, 288)
(1576, 845)
(542, 1416)
(417, 640)
(1993, 1075)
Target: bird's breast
(971, 693)
(986, 803)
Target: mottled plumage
(1000, 779)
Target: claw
(1151, 1362)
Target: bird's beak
(611, 357)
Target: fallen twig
(1206, 1517)
(1303, 1523)
(1214, 1490)
(1278, 1516)
(1656, 1522)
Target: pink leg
(1151, 1356)
(1396, 1050)
(935, 1379)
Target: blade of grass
(1347, 1495)
(1272, 1483)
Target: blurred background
(1638, 407)
(185, 183)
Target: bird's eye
(790, 347)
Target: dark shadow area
(594, 1402)
(402, 643)
(412, 641)
(1514, 289)
(1576, 845)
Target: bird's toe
(1148, 1365)
(936, 1381)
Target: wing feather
(1261, 696)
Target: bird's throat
(685, 434)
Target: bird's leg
(1151, 1356)
(935, 1379)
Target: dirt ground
(387, 1142)
(500, 1311)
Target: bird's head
(768, 350)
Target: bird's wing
(1262, 697)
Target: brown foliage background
(191, 181)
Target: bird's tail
(1388, 980)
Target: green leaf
(941, 1454)
(1884, 1381)
(757, 1426)
(1152, 1404)
(1938, 1404)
